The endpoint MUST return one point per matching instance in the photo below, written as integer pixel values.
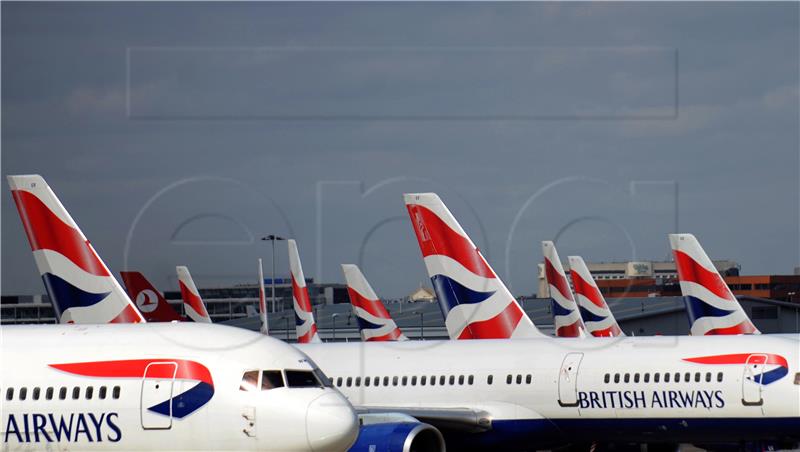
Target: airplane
(99, 384)
(566, 318)
(303, 314)
(374, 321)
(149, 301)
(546, 392)
(79, 284)
(596, 316)
(710, 304)
(474, 303)
(181, 386)
(262, 300)
(192, 303)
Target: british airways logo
(761, 368)
(179, 405)
(72, 427)
(656, 399)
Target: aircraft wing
(460, 419)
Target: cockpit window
(249, 381)
(301, 379)
(324, 378)
(271, 379)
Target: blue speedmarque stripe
(558, 309)
(452, 294)
(366, 325)
(186, 403)
(588, 316)
(697, 308)
(65, 296)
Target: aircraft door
(568, 380)
(156, 398)
(751, 381)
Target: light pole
(272, 238)
(333, 320)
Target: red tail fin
(148, 300)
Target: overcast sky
(178, 134)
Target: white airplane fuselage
(538, 391)
(161, 386)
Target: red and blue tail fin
(566, 318)
(78, 282)
(374, 321)
(475, 303)
(192, 303)
(710, 304)
(597, 317)
(303, 314)
(149, 301)
(262, 301)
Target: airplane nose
(331, 423)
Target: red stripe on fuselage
(435, 237)
(46, 231)
(134, 368)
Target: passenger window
(528, 379)
(422, 380)
(394, 381)
(636, 378)
(460, 379)
(271, 379)
(366, 381)
(627, 378)
(414, 380)
(386, 381)
(404, 380)
(358, 381)
(302, 379)
(687, 377)
(35, 395)
(23, 393)
(607, 378)
(62, 393)
(697, 377)
(76, 393)
(666, 377)
(656, 377)
(48, 395)
(89, 392)
(470, 380)
(647, 377)
(719, 377)
(102, 392)
(441, 380)
(796, 378)
(339, 382)
(249, 381)
(708, 377)
(452, 380)
(616, 378)
(115, 392)
(10, 394)
(519, 379)
(433, 380)
(349, 381)
(489, 379)
(677, 378)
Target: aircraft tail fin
(475, 302)
(192, 303)
(566, 318)
(149, 301)
(374, 321)
(79, 284)
(596, 315)
(303, 314)
(710, 304)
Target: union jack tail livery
(566, 318)
(710, 304)
(597, 317)
(262, 301)
(303, 315)
(192, 303)
(78, 282)
(149, 301)
(374, 321)
(475, 303)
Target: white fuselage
(83, 387)
(562, 383)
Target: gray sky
(178, 133)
